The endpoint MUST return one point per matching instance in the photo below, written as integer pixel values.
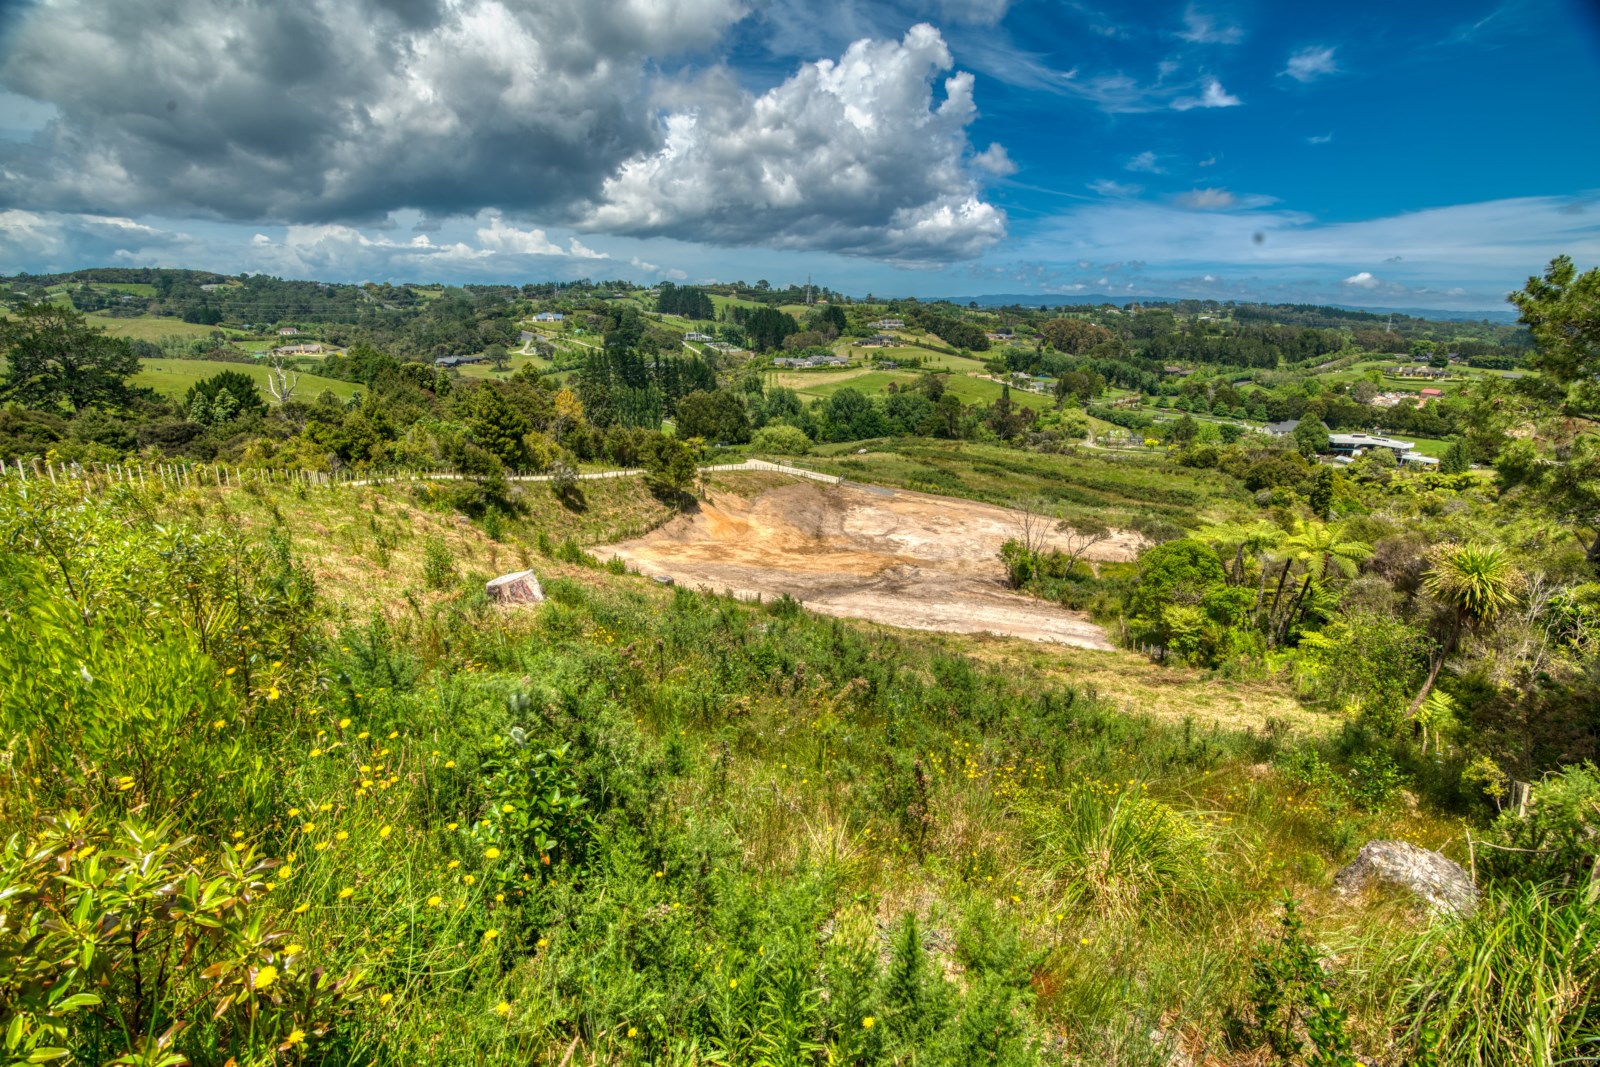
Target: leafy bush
(1558, 841)
(438, 563)
(116, 941)
(781, 440)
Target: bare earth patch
(884, 555)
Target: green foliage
(118, 939)
(438, 563)
(55, 359)
(1290, 994)
(1511, 985)
(1119, 849)
(1557, 842)
(781, 440)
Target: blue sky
(1422, 155)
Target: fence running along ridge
(186, 475)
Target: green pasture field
(173, 377)
(1117, 490)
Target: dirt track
(890, 556)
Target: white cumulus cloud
(858, 156)
(1212, 95)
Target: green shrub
(1558, 841)
(781, 440)
(438, 563)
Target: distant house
(702, 337)
(312, 349)
(210, 288)
(456, 361)
(1417, 459)
(1002, 335)
(549, 316)
(1355, 444)
(1173, 370)
(288, 331)
(1281, 429)
(1429, 394)
(877, 341)
(806, 362)
(889, 324)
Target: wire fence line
(192, 475)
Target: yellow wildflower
(451, 826)
(294, 950)
(346, 893)
(343, 723)
(293, 812)
(491, 853)
(502, 1009)
(435, 900)
(265, 977)
(219, 724)
(342, 835)
(449, 763)
(868, 1022)
(272, 693)
(633, 1031)
(385, 831)
(490, 935)
(384, 1000)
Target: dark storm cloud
(317, 110)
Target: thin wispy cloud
(1309, 64)
(1200, 27)
(1319, 138)
(1108, 187)
(1145, 162)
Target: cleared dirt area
(884, 555)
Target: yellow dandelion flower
(733, 983)
(499, 898)
(508, 807)
(295, 1037)
(302, 909)
(544, 942)
(342, 835)
(308, 828)
(384, 1000)
(237, 834)
(491, 853)
(868, 1023)
(343, 723)
(469, 880)
(124, 783)
(230, 671)
(502, 1009)
(265, 977)
(294, 950)
(346, 893)
(272, 693)
(633, 1031)
(293, 812)
(451, 826)
(321, 846)
(453, 864)
(393, 734)
(449, 763)
(219, 724)
(316, 752)
(385, 831)
(362, 736)
(490, 935)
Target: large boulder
(519, 588)
(1442, 884)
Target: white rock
(521, 587)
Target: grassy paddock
(632, 824)
(173, 377)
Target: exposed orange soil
(889, 556)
